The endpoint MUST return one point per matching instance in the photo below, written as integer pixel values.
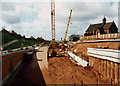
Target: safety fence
(102, 36)
(10, 64)
(106, 62)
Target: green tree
(74, 37)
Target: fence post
(97, 81)
(111, 81)
(119, 74)
(82, 83)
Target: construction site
(92, 60)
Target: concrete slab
(42, 59)
(33, 72)
(43, 55)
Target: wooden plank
(105, 68)
(102, 67)
(99, 65)
(95, 64)
(116, 73)
(119, 74)
(108, 68)
(111, 71)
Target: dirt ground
(63, 71)
(81, 49)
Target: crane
(53, 50)
(67, 26)
(53, 22)
(61, 45)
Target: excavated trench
(63, 71)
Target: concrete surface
(33, 72)
(42, 59)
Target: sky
(33, 17)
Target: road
(33, 72)
(9, 43)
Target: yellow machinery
(67, 27)
(62, 44)
(53, 50)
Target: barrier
(10, 64)
(107, 62)
(78, 59)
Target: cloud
(34, 18)
(10, 19)
(60, 0)
(84, 13)
(8, 6)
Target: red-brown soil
(81, 49)
(63, 71)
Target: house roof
(101, 31)
(107, 25)
(94, 27)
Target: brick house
(101, 28)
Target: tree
(24, 36)
(4, 30)
(74, 37)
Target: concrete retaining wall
(78, 59)
(106, 67)
(10, 63)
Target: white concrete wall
(78, 59)
(108, 54)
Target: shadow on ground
(30, 74)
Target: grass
(18, 44)
(8, 38)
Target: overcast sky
(33, 18)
